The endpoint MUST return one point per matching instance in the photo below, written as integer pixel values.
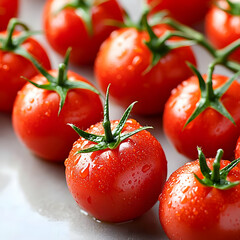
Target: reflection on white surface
(35, 203)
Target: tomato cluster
(116, 169)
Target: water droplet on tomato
(136, 60)
(31, 100)
(47, 113)
(145, 168)
(29, 107)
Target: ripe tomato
(237, 149)
(185, 11)
(13, 66)
(123, 60)
(189, 210)
(36, 121)
(209, 130)
(222, 28)
(66, 28)
(120, 184)
(8, 9)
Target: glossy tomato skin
(13, 66)
(8, 10)
(188, 210)
(67, 29)
(237, 149)
(120, 184)
(122, 61)
(185, 11)
(37, 124)
(210, 130)
(222, 28)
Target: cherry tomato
(120, 184)
(8, 9)
(210, 129)
(123, 60)
(37, 123)
(189, 210)
(65, 27)
(237, 149)
(222, 28)
(13, 66)
(186, 11)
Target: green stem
(106, 122)
(8, 44)
(61, 74)
(210, 93)
(216, 167)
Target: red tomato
(185, 11)
(119, 184)
(122, 60)
(237, 150)
(13, 66)
(66, 28)
(222, 28)
(210, 130)
(36, 120)
(189, 210)
(8, 9)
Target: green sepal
(216, 178)
(210, 97)
(89, 136)
(111, 139)
(60, 84)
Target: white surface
(35, 203)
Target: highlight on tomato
(223, 23)
(201, 200)
(8, 10)
(15, 46)
(80, 24)
(141, 66)
(116, 169)
(185, 11)
(204, 111)
(46, 104)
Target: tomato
(123, 60)
(8, 9)
(116, 169)
(237, 149)
(13, 66)
(185, 11)
(37, 123)
(222, 28)
(210, 129)
(189, 210)
(65, 27)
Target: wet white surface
(35, 203)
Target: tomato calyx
(10, 43)
(61, 84)
(234, 8)
(209, 96)
(161, 46)
(216, 178)
(111, 139)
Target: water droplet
(145, 168)
(47, 113)
(29, 107)
(31, 100)
(136, 61)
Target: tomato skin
(237, 149)
(210, 130)
(8, 10)
(66, 29)
(188, 210)
(120, 184)
(222, 28)
(122, 60)
(13, 66)
(186, 11)
(37, 124)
